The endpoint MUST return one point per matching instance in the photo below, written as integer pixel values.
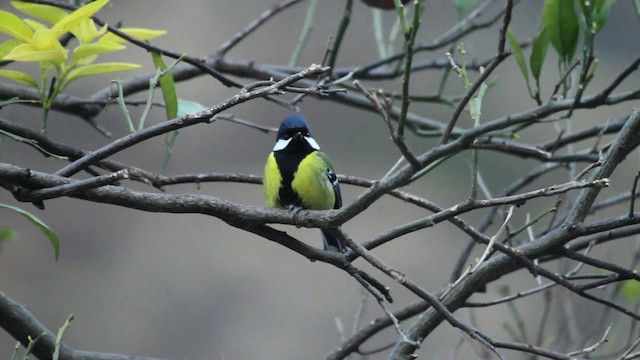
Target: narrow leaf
(102, 47)
(95, 69)
(35, 25)
(601, 13)
(13, 26)
(561, 21)
(170, 97)
(46, 13)
(53, 238)
(68, 22)
(86, 31)
(517, 52)
(538, 53)
(20, 77)
(138, 33)
(168, 87)
(26, 52)
(7, 46)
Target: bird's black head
(294, 135)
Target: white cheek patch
(312, 142)
(281, 144)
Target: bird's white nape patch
(312, 142)
(281, 144)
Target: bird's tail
(331, 243)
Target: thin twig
(253, 26)
(500, 56)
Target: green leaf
(53, 238)
(138, 33)
(68, 22)
(47, 13)
(561, 21)
(84, 50)
(20, 77)
(13, 26)
(168, 87)
(538, 53)
(517, 53)
(95, 69)
(170, 97)
(596, 10)
(464, 6)
(630, 289)
(601, 13)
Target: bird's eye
(306, 133)
(286, 136)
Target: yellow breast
(311, 183)
(272, 181)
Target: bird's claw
(294, 210)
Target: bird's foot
(294, 210)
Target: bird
(297, 175)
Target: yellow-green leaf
(102, 47)
(47, 13)
(20, 77)
(630, 289)
(87, 60)
(44, 39)
(138, 33)
(70, 21)
(95, 69)
(8, 45)
(13, 26)
(86, 31)
(53, 238)
(26, 52)
(35, 25)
